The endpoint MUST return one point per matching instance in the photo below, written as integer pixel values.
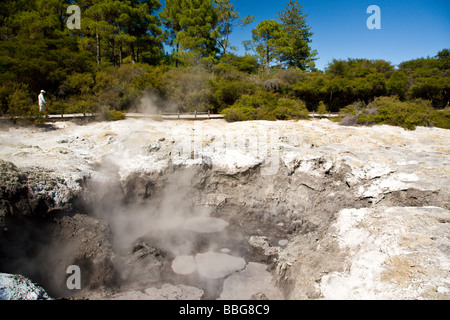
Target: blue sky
(410, 29)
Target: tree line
(180, 54)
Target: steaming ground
(213, 210)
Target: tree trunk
(120, 54)
(137, 52)
(268, 61)
(113, 51)
(99, 58)
(133, 56)
(176, 58)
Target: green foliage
(117, 58)
(322, 109)
(392, 111)
(20, 103)
(289, 109)
(228, 19)
(265, 106)
(192, 28)
(188, 89)
(225, 92)
(266, 40)
(441, 118)
(397, 85)
(295, 50)
(284, 41)
(429, 79)
(229, 62)
(408, 115)
(111, 115)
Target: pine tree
(229, 18)
(170, 16)
(295, 51)
(266, 40)
(198, 22)
(192, 26)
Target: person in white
(42, 102)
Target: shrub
(322, 109)
(111, 115)
(408, 115)
(392, 111)
(441, 118)
(119, 88)
(188, 88)
(288, 109)
(272, 85)
(266, 106)
(235, 114)
(225, 92)
(251, 107)
(290, 76)
(20, 103)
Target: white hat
(42, 91)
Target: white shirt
(41, 99)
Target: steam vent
(186, 210)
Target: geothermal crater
(212, 210)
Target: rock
(166, 292)
(154, 147)
(14, 193)
(262, 250)
(83, 241)
(303, 181)
(17, 287)
(31, 193)
(394, 253)
(259, 297)
(171, 292)
(142, 266)
(254, 282)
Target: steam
(152, 103)
(194, 243)
(168, 215)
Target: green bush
(392, 111)
(408, 115)
(21, 103)
(235, 114)
(322, 109)
(188, 88)
(251, 107)
(266, 106)
(112, 115)
(225, 92)
(441, 118)
(289, 109)
(119, 88)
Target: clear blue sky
(410, 29)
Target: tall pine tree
(266, 40)
(229, 18)
(295, 52)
